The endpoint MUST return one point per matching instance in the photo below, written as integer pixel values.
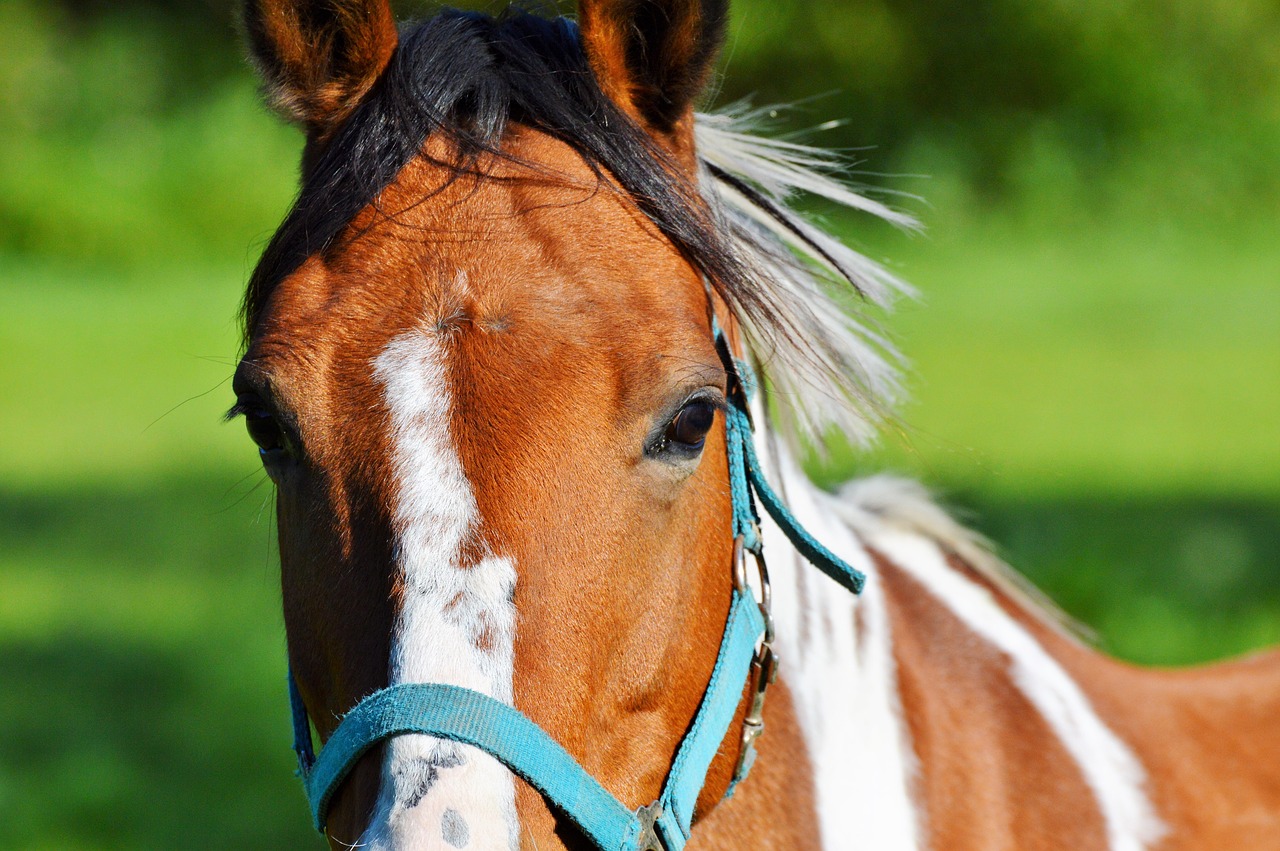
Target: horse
(502, 362)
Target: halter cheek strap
(745, 659)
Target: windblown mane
(795, 287)
(467, 76)
(840, 372)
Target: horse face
(489, 417)
(488, 403)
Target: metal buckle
(764, 665)
(649, 840)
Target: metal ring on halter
(743, 587)
(764, 666)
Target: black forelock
(467, 76)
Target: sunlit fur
(496, 288)
(899, 527)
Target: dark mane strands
(466, 76)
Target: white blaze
(456, 623)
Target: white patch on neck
(842, 677)
(1108, 766)
(456, 624)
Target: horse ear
(318, 58)
(653, 57)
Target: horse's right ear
(318, 58)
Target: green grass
(1103, 404)
(116, 376)
(141, 654)
(1126, 360)
(141, 647)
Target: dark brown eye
(688, 431)
(264, 431)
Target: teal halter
(746, 659)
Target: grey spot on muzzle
(414, 778)
(456, 832)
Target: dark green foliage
(1175, 96)
(128, 126)
(1160, 580)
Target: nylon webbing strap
(715, 716)
(301, 728)
(746, 476)
(466, 716)
(745, 521)
(808, 546)
(737, 436)
(463, 715)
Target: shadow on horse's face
(489, 408)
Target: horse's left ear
(653, 57)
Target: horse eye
(688, 431)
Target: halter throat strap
(745, 662)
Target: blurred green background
(1096, 358)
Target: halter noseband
(746, 660)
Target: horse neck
(838, 666)
(912, 696)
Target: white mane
(831, 367)
(842, 373)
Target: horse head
(482, 372)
